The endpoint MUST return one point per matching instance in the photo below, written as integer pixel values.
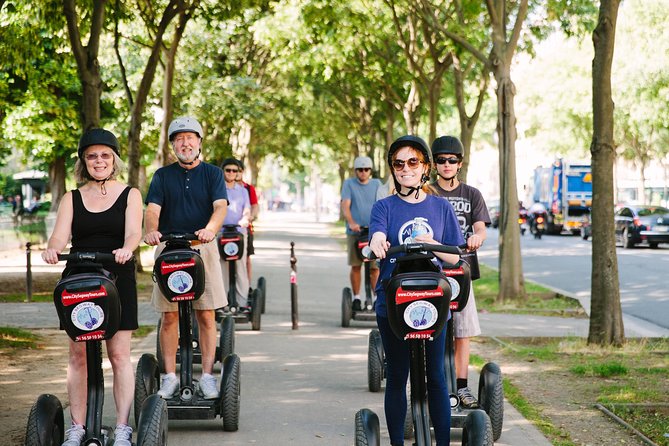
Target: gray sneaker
(466, 398)
(168, 386)
(208, 387)
(123, 435)
(74, 435)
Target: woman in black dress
(102, 215)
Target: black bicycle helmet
(96, 136)
(414, 142)
(233, 161)
(447, 145)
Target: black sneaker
(466, 398)
(357, 305)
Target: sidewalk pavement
(303, 386)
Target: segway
(88, 307)
(231, 249)
(366, 313)
(179, 272)
(418, 296)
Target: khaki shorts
(466, 322)
(352, 247)
(214, 293)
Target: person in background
(102, 215)
(188, 196)
(358, 195)
(411, 215)
(239, 213)
(472, 213)
(255, 209)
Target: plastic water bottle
(419, 228)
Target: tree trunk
(606, 323)
(57, 181)
(511, 281)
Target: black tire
(653, 245)
(491, 396)
(226, 342)
(230, 392)
(346, 307)
(256, 312)
(627, 241)
(375, 361)
(159, 352)
(367, 428)
(152, 426)
(408, 418)
(45, 423)
(477, 430)
(146, 382)
(262, 286)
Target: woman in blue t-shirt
(412, 215)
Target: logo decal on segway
(420, 315)
(87, 316)
(455, 287)
(231, 249)
(180, 282)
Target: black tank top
(98, 231)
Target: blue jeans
(395, 404)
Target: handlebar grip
(418, 247)
(178, 236)
(97, 257)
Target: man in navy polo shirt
(188, 196)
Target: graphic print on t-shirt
(412, 229)
(463, 209)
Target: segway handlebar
(416, 247)
(178, 236)
(96, 257)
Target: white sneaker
(168, 386)
(208, 386)
(74, 435)
(123, 435)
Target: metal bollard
(293, 286)
(29, 274)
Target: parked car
(637, 224)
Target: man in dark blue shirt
(188, 196)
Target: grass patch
(15, 338)
(631, 381)
(143, 331)
(19, 298)
(539, 300)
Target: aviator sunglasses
(442, 160)
(414, 162)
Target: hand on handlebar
(50, 256)
(122, 255)
(379, 245)
(152, 238)
(205, 235)
(474, 242)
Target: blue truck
(565, 189)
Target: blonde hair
(81, 174)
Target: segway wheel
(491, 396)
(159, 352)
(45, 422)
(346, 307)
(262, 286)
(152, 425)
(374, 361)
(408, 418)
(226, 343)
(367, 428)
(146, 382)
(477, 430)
(230, 391)
(256, 312)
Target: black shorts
(249, 244)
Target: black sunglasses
(363, 169)
(414, 162)
(442, 160)
(231, 170)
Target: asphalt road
(564, 263)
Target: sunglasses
(414, 162)
(93, 156)
(363, 169)
(231, 170)
(441, 160)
